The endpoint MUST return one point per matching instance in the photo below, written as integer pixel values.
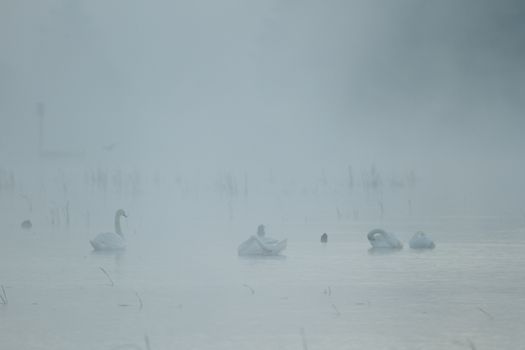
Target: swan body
(261, 245)
(421, 241)
(381, 239)
(110, 241)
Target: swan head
(121, 212)
(260, 231)
(376, 234)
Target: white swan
(421, 241)
(111, 240)
(261, 245)
(380, 239)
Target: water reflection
(117, 256)
(262, 258)
(382, 251)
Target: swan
(380, 239)
(421, 241)
(109, 241)
(261, 245)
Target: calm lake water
(196, 293)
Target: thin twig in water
(486, 313)
(303, 337)
(4, 296)
(140, 301)
(107, 275)
(146, 340)
(250, 288)
(336, 310)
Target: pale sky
(434, 86)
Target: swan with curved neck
(109, 241)
(421, 241)
(381, 239)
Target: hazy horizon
(297, 91)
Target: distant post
(40, 111)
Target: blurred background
(275, 110)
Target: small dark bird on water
(26, 224)
(109, 147)
(324, 238)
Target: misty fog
(204, 119)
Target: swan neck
(372, 234)
(118, 230)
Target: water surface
(198, 294)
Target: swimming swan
(109, 241)
(261, 245)
(421, 241)
(380, 239)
